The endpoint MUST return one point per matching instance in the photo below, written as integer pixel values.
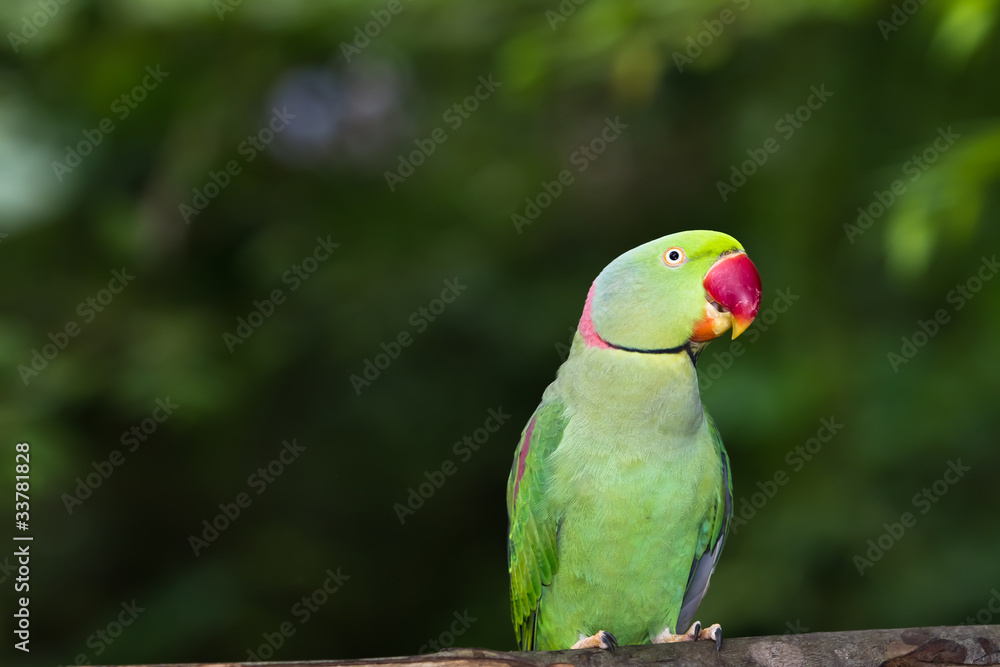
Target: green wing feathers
(712, 539)
(532, 551)
(721, 528)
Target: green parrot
(620, 495)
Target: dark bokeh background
(854, 293)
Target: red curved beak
(733, 289)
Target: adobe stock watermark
(562, 349)
(463, 449)
(796, 458)
(900, 14)
(454, 116)
(786, 126)
(381, 18)
(263, 309)
(302, 611)
(562, 12)
(258, 481)
(923, 500)
(419, 319)
(581, 158)
(985, 615)
(223, 7)
(915, 167)
(121, 107)
(795, 628)
(697, 43)
(87, 310)
(249, 149)
(958, 296)
(103, 469)
(104, 637)
(22, 616)
(456, 629)
(711, 370)
(31, 24)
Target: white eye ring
(674, 256)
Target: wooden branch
(913, 647)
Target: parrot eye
(674, 256)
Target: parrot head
(678, 291)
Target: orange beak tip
(740, 325)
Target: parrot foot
(694, 633)
(602, 639)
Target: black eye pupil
(674, 255)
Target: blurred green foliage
(899, 73)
